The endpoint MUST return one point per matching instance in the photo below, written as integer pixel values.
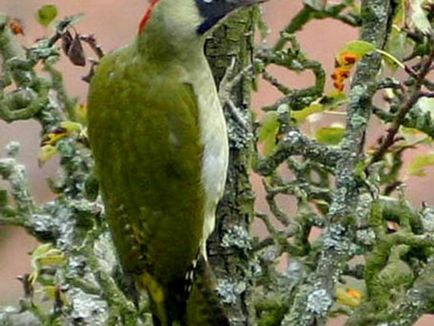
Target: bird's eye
(208, 1)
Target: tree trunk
(229, 246)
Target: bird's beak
(245, 3)
(236, 4)
(221, 10)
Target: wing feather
(144, 134)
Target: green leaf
(419, 163)
(46, 14)
(412, 137)
(359, 48)
(329, 102)
(419, 17)
(300, 116)
(400, 13)
(397, 48)
(268, 132)
(426, 104)
(330, 135)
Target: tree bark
(229, 247)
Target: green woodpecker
(158, 136)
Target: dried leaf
(66, 41)
(16, 26)
(76, 52)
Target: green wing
(144, 133)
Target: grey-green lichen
(87, 309)
(427, 219)
(237, 237)
(335, 240)
(230, 290)
(10, 316)
(319, 302)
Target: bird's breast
(215, 144)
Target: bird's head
(187, 20)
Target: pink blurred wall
(114, 23)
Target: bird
(158, 136)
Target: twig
(93, 44)
(389, 140)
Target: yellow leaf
(43, 256)
(46, 153)
(52, 260)
(53, 292)
(71, 127)
(350, 297)
(53, 137)
(81, 113)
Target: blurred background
(114, 23)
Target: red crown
(147, 15)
